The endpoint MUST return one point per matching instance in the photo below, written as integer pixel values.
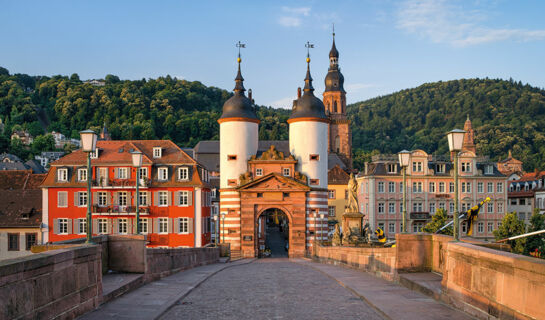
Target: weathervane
(333, 29)
(240, 45)
(309, 46)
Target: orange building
(173, 189)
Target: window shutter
(190, 198)
(109, 229)
(170, 225)
(131, 225)
(108, 198)
(116, 198)
(95, 198)
(190, 225)
(116, 173)
(177, 225)
(177, 198)
(95, 226)
(169, 196)
(155, 225)
(115, 226)
(76, 203)
(156, 198)
(56, 226)
(69, 226)
(190, 173)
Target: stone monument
(352, 218)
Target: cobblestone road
(271, 289)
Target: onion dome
(239, 106)
(334, 80)
(333, 53)
(308, 105)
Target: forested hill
(505, 115)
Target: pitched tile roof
(337, 176)
(20, 208)
(20, 180)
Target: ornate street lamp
(137, 163)
(216, 230)
(88, 145)
(404, 158)
(455, 142)
(321, 228)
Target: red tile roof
(20, 180)
(337, 176)
(20, 208)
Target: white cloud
(284, 103)
(305, 11)
(443, 22)
(289, 21)
(293, 16)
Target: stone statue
(336, 239)
(352, 194)
(347, 233)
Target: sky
(384, 45)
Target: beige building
(337, 195)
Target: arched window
(335, 107)
(338, 144)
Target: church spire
(333, 53)
(469, 137)
(239, 80)
(308, 78)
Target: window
(466, 166)
(381, 187)
(94, 154)
(490, 227)
(451, 207)
(143, 172)
(391, 227)
(432, 187)
(522, 202)
(183, 226)
(144, 225)
(442, 205)
(381, 207)
(391, 207)
(258, 172)
(488, 169)
(331, 194)
(82, 174)
(417, 187)
(231, 157)
(401, 207)
(102, 226)
(441, 187)
(464, 227)
(346, 194)
(314, 182)
(391, 187)
(499, 187)
(480, 227)
(417, 166)
(286, 172)
(522, 216)
(13, 242)
(331, 211)
(490, 187)
(157, 152)
(163, 225)
(314, 157)
(451, 187)
(466, 187)
(163, 198)
(102, 199)
(440, 168)
(82, 226)
(417, 227)
(514, 202)
(63, 226)
(122, 173)
(81, 199)
(391, 168)
(417, 206)
(162, 174)
(143, 198)
(401, 187)
(122, 226)
(30, 240)
(122, 198)
(183, 173)
(62, 199)
(432, 207)
(231, 182)
(480, 187)
(184, 198)
(490, 207)
(500, 207)
(62, 175)
(381, 226)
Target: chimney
(250, 94)
(298, 92)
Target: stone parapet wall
(161, 262)
(377, 260)
(62, 283)
(501, 284)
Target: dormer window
(391, 168)
(62, 175)
(82, 174)
(488, 169)
(417, 166)
(183, 173)
(157, 152)
(258, 172)
(162, 174)
(440, 168)
(94, 154)
(122, 173)
(286, 172)
(466, 166)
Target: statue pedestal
(352, 227)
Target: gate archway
(273, 233)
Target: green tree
(43, 143)
(4, 72)
(537, 222)
(111, 79)
(19, 149)
(511, 226)
(438, 220)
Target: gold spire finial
(309, 46)
(240, 45)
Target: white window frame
(391, 227)
(184, 199)
(64, 194)
(391, 187)
(442, 187)
(163, 225)
(417, 166)
(183, 173)
(440, 168)
(391, 207)
(162, 198)
(490, 227)
(432, 208)
(122, 195)
(451, 187)
(258, 172)
(488, 169)
(499, 187)
(431, 187)
(480, 227)
(417, 187)
(162, 174)
(466, 166)
(183, 225)
(122, 226)
(102, 226)
(62, 175)
(480, 187)
(144, 225)
(94, 154)
(500, 207)
(82, 199)
(63, 225)
(417, 206)
(157, 152)
(122, 173)
(381, 208)
(143, 172)
(102, 198)
(82, 175)
(490, 207)
(82, 222)
(286, 172)
(331, 210)
(144, 201)
(391, 168)
(331, 194)
(451, 207)
(380, 187)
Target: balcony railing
(420, 215)
(119, 210)
(120, 183)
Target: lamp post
(322, 228)
(88, 145)
(455, 142)
(223, 223)
(137, 163)
(216, 230)
(404, 157)
(315, 231)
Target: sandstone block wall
(62, 283)
(161, 262)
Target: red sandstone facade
(174, 194)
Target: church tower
(308, 126)
(469, 137)
(340, 136)
(238, 134)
